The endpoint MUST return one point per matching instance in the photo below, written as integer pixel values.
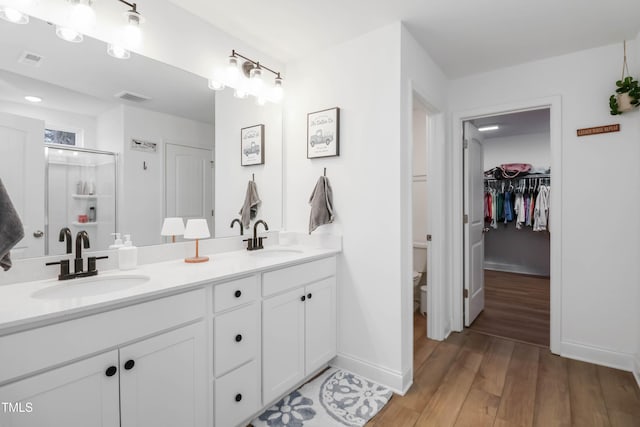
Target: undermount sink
(275, 252)
(90, 286)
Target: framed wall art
(323, 133)
(252, 145)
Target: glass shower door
(80, 193)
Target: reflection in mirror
(137, 133)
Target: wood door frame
(554, 104)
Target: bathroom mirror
(118, 145)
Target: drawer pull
(129, 364)
(238, 293)
(309, 295)
(238, 397)
(238, 338)
(302, 298)
(111, 371)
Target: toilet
(419, 268)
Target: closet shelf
(84, 196)
(536, 176)
(84, 224)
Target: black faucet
(240, 224)
(256, 242)
(65, 235)
(81, 238)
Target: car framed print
(323, 133)
(252, 145)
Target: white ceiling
(82, 78)
(463, 36)
(525, 122)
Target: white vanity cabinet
(236, 350)
(298, 324)
(156, 381)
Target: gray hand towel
(321, 202)
(252, 201)
(11, 230)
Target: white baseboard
(392, 379)
(598, 356)
(510, 268)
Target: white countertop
(20, 310)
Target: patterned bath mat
(335, 398)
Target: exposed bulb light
(118, 51)
(69, 34)
(216, 84)
(82, 17)
(13, 15)
(277, 92)
(34, 99)
(255, 80)
(241, 93)
(233, 72)
(488, 128)
(132, 33)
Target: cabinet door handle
(238, 338)
(111, 371)
(302, 298)
(238, 293)
(129, 364)
(309, 295)
(238, 397)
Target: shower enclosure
(80, 193)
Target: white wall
(506, 248)
(600, 248)
(233, 114)
(65, 120)
(142, 211)
(533, 148)
(365, 180)
(422, 78)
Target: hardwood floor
(516, 307)
(476, 380)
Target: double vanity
(170, 343)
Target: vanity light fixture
(34, 99)
(11, 13)
(82, 17)
(129, 37)
(488, 128)
(172, 227)
(197, 229)
(69, 34)
(247, 78)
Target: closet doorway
(507, 242)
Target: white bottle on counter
(127, 255)
(117, 244)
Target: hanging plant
(627, 96)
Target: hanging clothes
(524, 202)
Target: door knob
(38, 234)
(238, 338)
(128, 365)
(111, 371)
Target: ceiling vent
(30, 58)
(133, 97)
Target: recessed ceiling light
(33, 98)
(488, 128)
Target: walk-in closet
(516, 185)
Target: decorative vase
(624, 102)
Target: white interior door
(22, 173)
(189, 183)
(474, 224)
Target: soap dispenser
(117, 244)
(127, 255)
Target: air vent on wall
(130, 96)
(30, 58)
